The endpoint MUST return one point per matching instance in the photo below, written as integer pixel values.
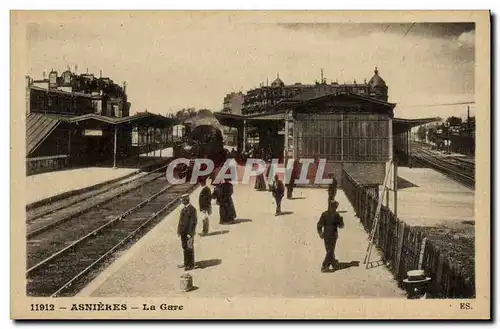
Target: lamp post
(447, 125)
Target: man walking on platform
(205, 200)
(278, 190)
(186, 230)
(332, 189)
(291, 184)
(328, 225)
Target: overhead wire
(442, 104)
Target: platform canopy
(234, 120)
(400, 125)
(139, 119)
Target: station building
(351, 126)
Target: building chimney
(43, 75)
(100, 73)
(76, 69)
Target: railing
(45, 164)
(142, 149)
(404, 247)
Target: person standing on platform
(328, 225)
(186, 230)
(291, 183)
(227, 211)
(278, 190)
(205, 200)
(260, 182)
(332, 189)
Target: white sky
(171, 61)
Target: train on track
(203, 139)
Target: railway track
(79, 205)
(60, 259)
(34, 213)
(460, 171)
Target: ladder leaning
(376, 218)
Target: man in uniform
(293, 175)
(332, 189)
(278, 190)
(205, 200)
(328, 225)
(186, 230)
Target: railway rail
(34, 213)
(453, 167)
(75, 206)
(63, 258)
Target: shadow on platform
(241, 220)
(193, 288)
(342, 211)
(342, 266)
(284, 213)
(214, 233)
(208, 263)
(298, 198)
(403, 183)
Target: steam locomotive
(203, 139)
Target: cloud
(170, 64)
(467, 39)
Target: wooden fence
(404, 247)
(45, 164)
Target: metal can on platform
(186, 282)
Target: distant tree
(421, 132)
(184, 114)
(454, 121)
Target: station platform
(429, 198)
(261, 255)
(164, 153)
(47, 185)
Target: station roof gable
(373, 104)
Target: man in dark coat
(278, 190)
(205, 201)
(291, 183)
(224, 194)
(186, 230)
(332, 189)
(328, 225)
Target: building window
(319, 135)
(336, 137)
(365, 137)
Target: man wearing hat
(416, 284)
(186, 230)
(328, 225)
(332, 189)
(205, 203)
